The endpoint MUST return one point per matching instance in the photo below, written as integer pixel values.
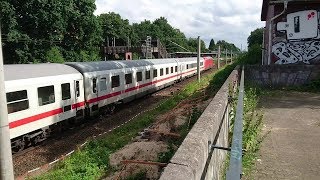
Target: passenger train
(43, 97)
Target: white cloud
(230, 20)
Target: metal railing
(234, 171)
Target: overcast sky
(230, 20)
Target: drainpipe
(285, 3)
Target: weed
(142, 175)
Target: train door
(181, 71)
(103, 89)
(94, 100)
(116, 86)
(77, 99)
(67, 101)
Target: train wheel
(18, 145)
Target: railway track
(59, 146)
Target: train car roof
(84, 67)
(27, 71)
(187, 59)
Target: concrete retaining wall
(193, 159)
(281, 75)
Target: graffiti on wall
(300, 40)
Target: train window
(167, 70)
(161, 71)
(115, 81)
(201, 63)
(94, 85)
(139, 76)
(147, 74)
(155, 73)
(77, 89)
(17, 101)
(128, 78)
(103, 84)
(176, 68)
(46, 95)
(171, 69)
(65, 89)
(187, 66)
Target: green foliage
(253, 56)
(256, 37)
(251, 128)
(225, 45)
(164, 157)
(115, 27)
(212, 45)
(252, 124)
(33, 30)
(54, 55)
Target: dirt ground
(291, 150)
(152, 141)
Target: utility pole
(6, 167)
(231, 57)
(198, 59)
(219, 55)
(226, 56)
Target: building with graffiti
(292, 32)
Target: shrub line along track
(29, 162)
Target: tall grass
(252, 124)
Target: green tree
(54, 55)
(212, 45)
(256, 37)
(113, 26)
(31, 28)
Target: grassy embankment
(92, 161)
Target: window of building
(46, 95)
(147, 74)
(128, 78)
(17, 101)
(115, 81)
(171, 69)
(139, 76)
(176, 68)
(155, 73)
(65, 89)
(161, 72)
(103, 84)
(94, 85)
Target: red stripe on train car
(34, 118)
(77, 105)
(103, 97)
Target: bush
(253, 56)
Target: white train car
(38, 96)
(188, 66)
(108, 83)
(111, 82)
